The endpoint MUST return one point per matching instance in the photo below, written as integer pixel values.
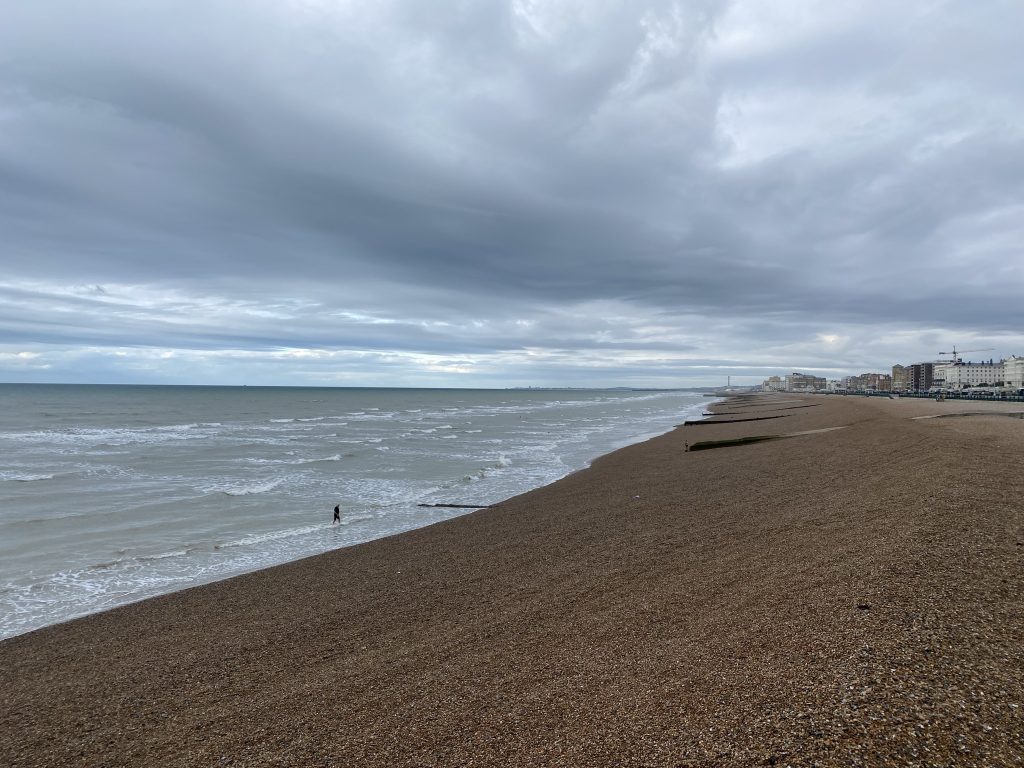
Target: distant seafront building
(802, 382)
(869, 382)
(1013, 372)
(920, 376)
(960, 375)
(794, 382)
(900, 378)
(954, 375)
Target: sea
(111, 494)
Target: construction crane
(956, 355)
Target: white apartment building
(1013, 372)
(963, 375)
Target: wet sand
(848, 597)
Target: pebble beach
(849, 592)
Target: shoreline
(839, 596)
(230, 574)
(107, 579)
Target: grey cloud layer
(512, 164)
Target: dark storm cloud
(683, 182)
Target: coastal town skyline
(1001, 377)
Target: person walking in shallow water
(337, 514)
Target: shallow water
(109, 494)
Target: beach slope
(848, 592)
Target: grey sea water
(109, 494)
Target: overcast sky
(530, 192)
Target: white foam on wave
(376, 493)
(261, 538)
(163, 555)
(23, 478)
(235, 489)
(269, 462)
(298, 461)
(111, 436)
(502, 463)
(357, 519)
(367, 416)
